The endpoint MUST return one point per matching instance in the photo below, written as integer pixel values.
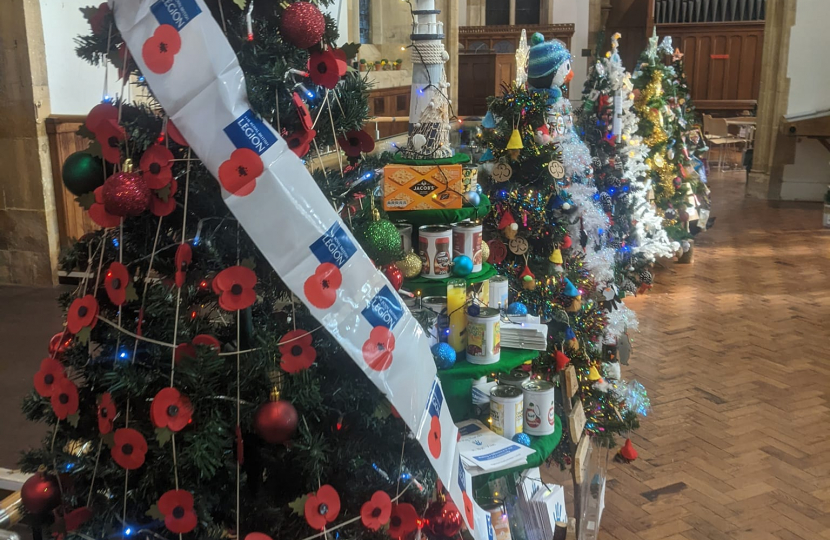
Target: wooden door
(505, 65)
(476, 82)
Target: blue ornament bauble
(522, 438)
(444, 355)
(473, 198)
(462, 266)
(474, 310)
(517, 308)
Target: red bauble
(40, 494)
(302, 24)
(394, 275)
(276, 421)
(443, 519)
(126, 194)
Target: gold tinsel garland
(653, 89)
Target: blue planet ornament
(462, 266)
(444, 355)
(522, 438)
(517, 308)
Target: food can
(405, 230)
(469, 177)
(435, 249)
(506, 410)
(539, 402)
(437, 305)
(516, 377)
(466, 240)
(498, 292)
(481, 394)
(484, 336)
(497, 520)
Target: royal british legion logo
(436, 399)
(176, 13)
(334, 247)
(385, 309)
(250, 132)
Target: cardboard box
(422, 187)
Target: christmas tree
(678, 192)
(545, 224)
(191, 392)
(609, 125)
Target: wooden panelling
(723, 61)
(389, 102)
(629, 18)
(477, 82)
(73, 221)
(491, 35)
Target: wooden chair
(716, 131)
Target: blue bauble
(517, 308)
(462, 266)
(522, 438)
(473, 198)
(444, 355)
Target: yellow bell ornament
(593, 374)
(514, 145)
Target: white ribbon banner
(196, 77)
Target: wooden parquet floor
(735, 353)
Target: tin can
(484, 336)
(497, 519)
(539, 401)
(437, 305)
(466, 240)
(469, 177)
(498, 292)
(506, 410)
(435, 249)
(405, 230)
(516, 377)
(481, 394)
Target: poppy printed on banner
(239, 173)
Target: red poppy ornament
(164, 206)
(302, 111)
(48, 376)
(126, 193)
(300, 141)
(170, 409)
(116, 281)
(342, 61)
(402, 521)
(64, 398)
(100, 113)
(235, 286)
(302, 24)
(322, 507)
(434, 441)
(177, 507)
(74, 519)
(355, 142)
(129, 449)
(323, 70)
(160, 49)
(208, 341)
(98, 212)
(468, 510)
(376, 511)
(109, 135)
(97, 19)
(175, 135)
(239, 173)
(82, 312)
(378, 349)
(297, 351)
(106, 413)
(394, 275)
(155, 165)
(257, 536)
(59, 343)
(321, 288)
(184, 256)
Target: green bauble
(382, 241)
(82, 173)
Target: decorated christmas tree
(609, 126)
(678, 192)
(194, 390)
(546, 224)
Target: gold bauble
(78, 447)
(658, 161)
(410, 265)
(485, 251)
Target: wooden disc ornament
(498, 251)
(518, 246)
(556, 170)
(502, 172)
